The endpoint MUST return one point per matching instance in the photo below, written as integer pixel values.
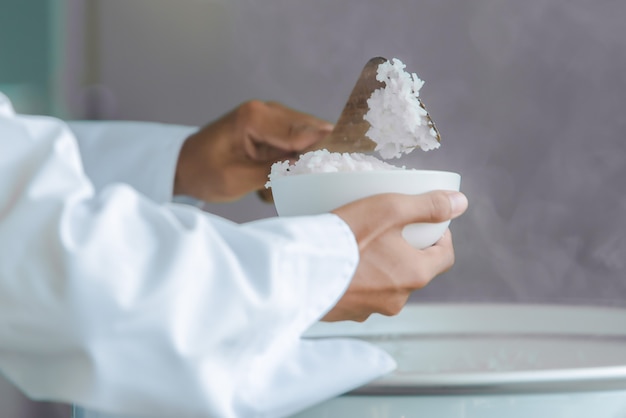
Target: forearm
(147, 308)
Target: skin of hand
(390, 269)
(232, 156)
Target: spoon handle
(349, 132)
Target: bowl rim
(367, 173)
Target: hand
(232, 156)
(389, 267)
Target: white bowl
(316, 193)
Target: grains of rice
(398, 124)
(323, 161)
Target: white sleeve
(140, 154)
(117, 303)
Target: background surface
(528, 96)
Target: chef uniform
(114, 298)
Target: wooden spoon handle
(349, 132)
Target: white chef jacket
(116, 299)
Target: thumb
(395, 209)
(372, 216)
(432, 207)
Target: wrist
(181, 175)
(201, 171)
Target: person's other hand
(232, 156)
(389, 267)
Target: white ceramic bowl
(316, 193)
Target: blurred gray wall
(529, 97)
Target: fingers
(438, 258)
(431, 207)
(302, 130)
(379, 213)
(232, 156)
(389, 271)
(415, 268)
(274, 131)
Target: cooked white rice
(398, 123)
(323, 161)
